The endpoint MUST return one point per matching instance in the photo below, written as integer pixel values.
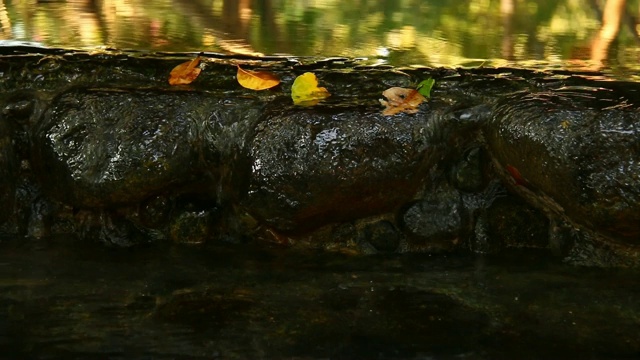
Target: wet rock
(97, 148)
(435, 222)
(382, 235)
(575, 154)
(310, 167)
(467, 173)
(26, 194)
(105, 135)
(36, 215)
(8, 170)
(113, 230)
(227, 135)
(590, 249)
(19, 108)
(236, 227)
(371, 235)
(155, 211)
(562, 237)
(40, 219)
(475, 206)
(510, 222)
(18, 112)
(192, 226)
(344, 234)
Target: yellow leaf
(256, 80)
(401, 100)
(305, 90)
(185, 73)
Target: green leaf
(424, 87)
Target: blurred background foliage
(527, 33)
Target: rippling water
(563, 34)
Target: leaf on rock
(401, 100)
(425, 86)
(305, 90)
(257, 80)
(517, 177)
(185, 73)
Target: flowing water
(65, 299)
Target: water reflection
(613, 15)
(72, 300)
(531, 33)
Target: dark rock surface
(101, 147)
(509, 222)
(574, 152)
(383, 236)
(113, 147)
(314, 166)
(8, 170)
(436, 222)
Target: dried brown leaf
(401, 100)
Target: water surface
(562, 34)
(69, 300)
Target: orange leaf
(185, 73)
(401, 100)
(256, 80)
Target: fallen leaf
(305, 90)
(517, 177)
(425, 86)
(185, 73)
(256, 80)
(401, 100)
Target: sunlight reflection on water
(564, 34)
